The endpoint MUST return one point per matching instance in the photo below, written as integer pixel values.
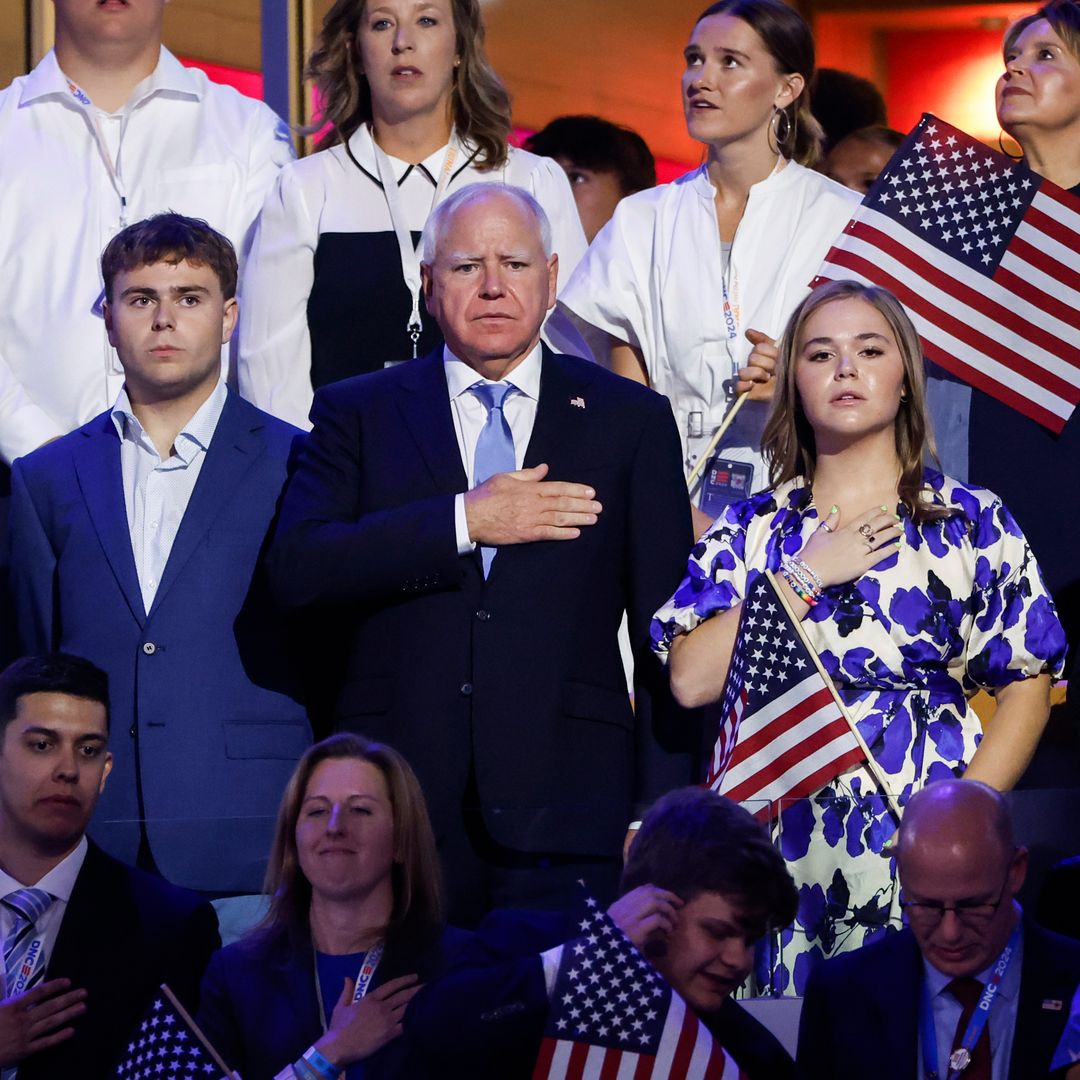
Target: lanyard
(363, 978)
(410, 254)
(961, 1056)
(34, 958)
(111, 165)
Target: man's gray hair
(436, 223)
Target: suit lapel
(97, 466)
(237, 443)
(562, 405)
(424, 406)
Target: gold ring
(826, 526)
(866, 530)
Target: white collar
(58, 882)
(362, 148)
(199, 429)
(525, 377)
(170, 76)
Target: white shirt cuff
(461, 527)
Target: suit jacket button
(466, 689)
(483, 615)
(149, 648)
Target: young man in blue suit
(972, 988)
(136, 543)
(477, 521)
(87, 940)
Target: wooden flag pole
(871, 764)
(714, 442)
(225, 1070)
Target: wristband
(796, 586)
(313, 1066)
(809, 572)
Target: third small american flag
(782, 733)
(985, 256)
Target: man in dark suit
(702, 885)
(87, 940)
(136, 543)
(971, 980)
(480, 519)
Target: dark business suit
(123, 934)
(486, 1016)
(860, 1015)
(517, 677)
(206, 723)
(260, 1011)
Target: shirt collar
(58, 882)
(1009, 988)
(362, 147)
(525, 377)
(195, 435)
(47, 80)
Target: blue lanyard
(961, 1056)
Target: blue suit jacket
(206, 724)
(860, 1016)
(518, 676)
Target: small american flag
(985, 256)
(782, 733)
(167, 1045)
(613, 1017)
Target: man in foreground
(87, 940)
(477, 521)
(972, 988)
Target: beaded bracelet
(803, 589)
(808, 573)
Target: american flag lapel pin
(1053, 1004)
(578, 402)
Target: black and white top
(323, 295)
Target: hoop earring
(1001, 146)
(780, 137)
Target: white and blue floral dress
(960, 606)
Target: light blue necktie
(494, 447)
(27, 905)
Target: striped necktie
(26, 906)
(494, 446)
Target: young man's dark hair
(594, 143)
(171, 238)
(694, 841)
(53, 673)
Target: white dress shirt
(470, 416)
(157, 490)
(58, 882)
(70, 178)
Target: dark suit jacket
(520, 674)
(486, 1016)
(860, 1015)
(123, 934)
(206, 725)
(260, 1011)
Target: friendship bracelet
(796, 587)
(796, 572)
(808, 573)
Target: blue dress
(959, 607)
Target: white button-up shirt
(470, 416)
(70, 178)
(157, 490)
(58, 882)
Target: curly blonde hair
(480, 103)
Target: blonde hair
(788, 442)
(479, 103)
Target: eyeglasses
(974, 914)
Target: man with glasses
(972, 989)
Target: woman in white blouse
(689, 283)
(332, 286)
